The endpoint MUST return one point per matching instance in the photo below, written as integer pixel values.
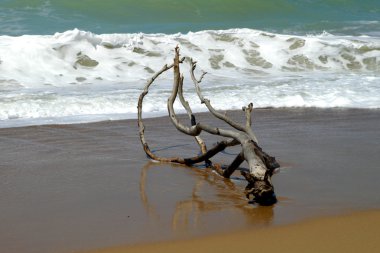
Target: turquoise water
(350, 17)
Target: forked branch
(246, 129)
(206, 155)
(261, 165)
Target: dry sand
(73, 188)
(349, 233)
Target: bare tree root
(261, 165)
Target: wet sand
(81, 187)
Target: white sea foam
(79, 76)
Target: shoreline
(72, 120)
(77, 187)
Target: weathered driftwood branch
(220, 146)
(185, 104)
(261, 165)
(247, 128)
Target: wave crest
(79, 74)
(36, 60)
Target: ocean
(69, 61)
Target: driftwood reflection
(189, 212)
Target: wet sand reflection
(193, 211)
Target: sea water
(65, 61)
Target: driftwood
(261, 165)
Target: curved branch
(192, 160)
(260, 164)
(140, 122)
(207, 102)
(187, 107)
(220, 146)
(199, 127)
(246, 129)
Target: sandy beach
(88, 187)
(349, 233)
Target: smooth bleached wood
(261, 166)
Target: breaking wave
(78, 73)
